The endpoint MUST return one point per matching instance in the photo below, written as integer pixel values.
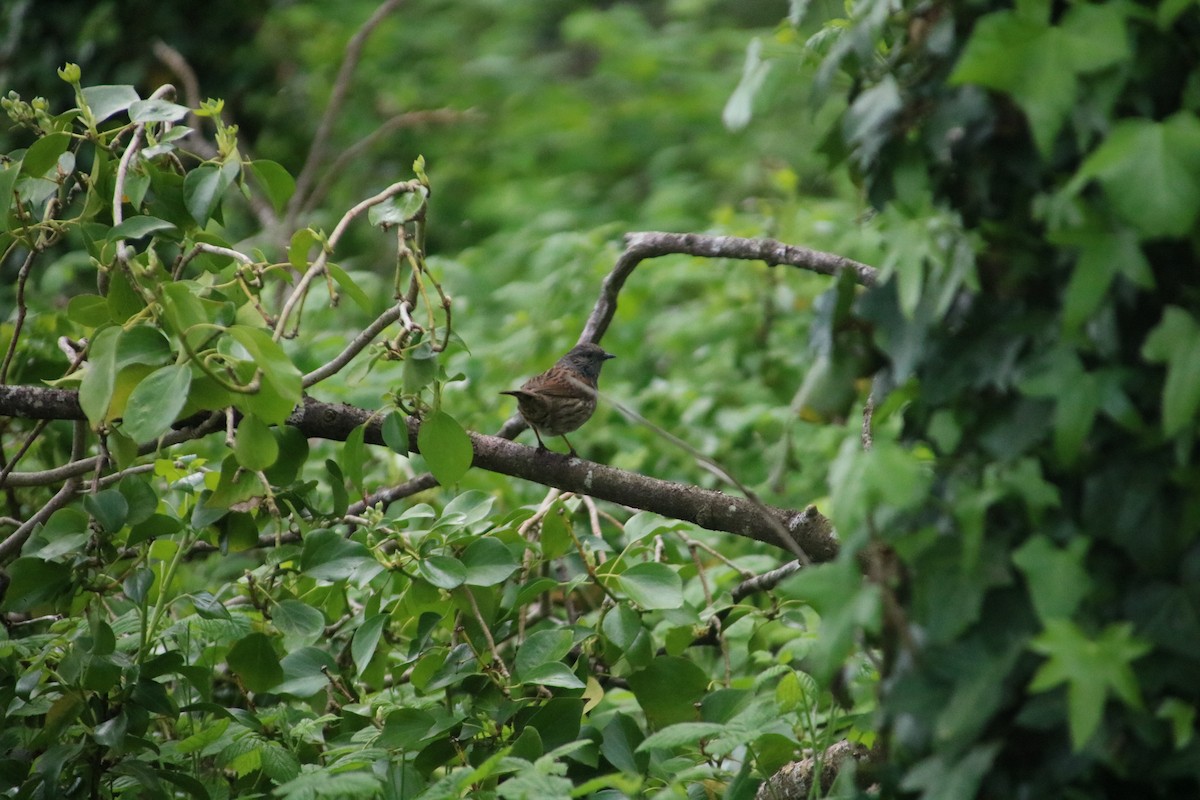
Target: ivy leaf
(1057, 578)
(1175, 341)
(1150, 172)
(1039, 64)
(1091, 668)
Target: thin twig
(341, 87)
(318, 265)
(356, 345)
(12, 545)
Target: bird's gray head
(585, 359)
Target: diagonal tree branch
(707, 508)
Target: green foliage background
(1026, 517)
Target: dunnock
(563, 397)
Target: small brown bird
(563, 397)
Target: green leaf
(1057, 579)
(299, 622)
(255, 447)
(847, 605)
(552, 674)
(399, 209)
(1150, 173)
(652, 585)
(95, 390)
(306, 672)
(156, 401)
(488, 562)
(42, 155)
(1038, 64)
(282, 384)
(104, 101)
(543, 647)
(156, 110)
(1091, 668)
(351, 288)
(328, 556)
(8, 177)
(406, 728)
(445, 446)
(254, 660)
(139, 226)
(138, 584)
(353, 456)
(1176, 342)
(395, 432)
(276, 181)
(669, 689)
(444, 572)
(89, 310)
(366, 639)
(1103, 255)
(34, 582)
(204, 187)
(109, 508)
(302, 242)
(681, 734)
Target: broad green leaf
(139, 226)
(444, 572)
(33, 582)
(366, 639)
(156, 401)
(406, 728)
(445, 446)
(156, 110)
(395, 432)
(95, 391)
(42, 155)
(554, 673)
(488, 562)
(302, 241)
(255, 447)
(299, 622)
(946, 777)
(204, 187)
(1103, 256)
(1176, 342)
(681, 734)
(668, 690)
(138, 584)
(276, 181)
(329, 556)
(652, 585)
(255, 662)
(542, 647)
(399, 209)
(1091, 668)
(89, 310)
(104, 101)
(109, 508)
(306, 672)
(282, 383)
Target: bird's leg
(541, 444)
(569, 445)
